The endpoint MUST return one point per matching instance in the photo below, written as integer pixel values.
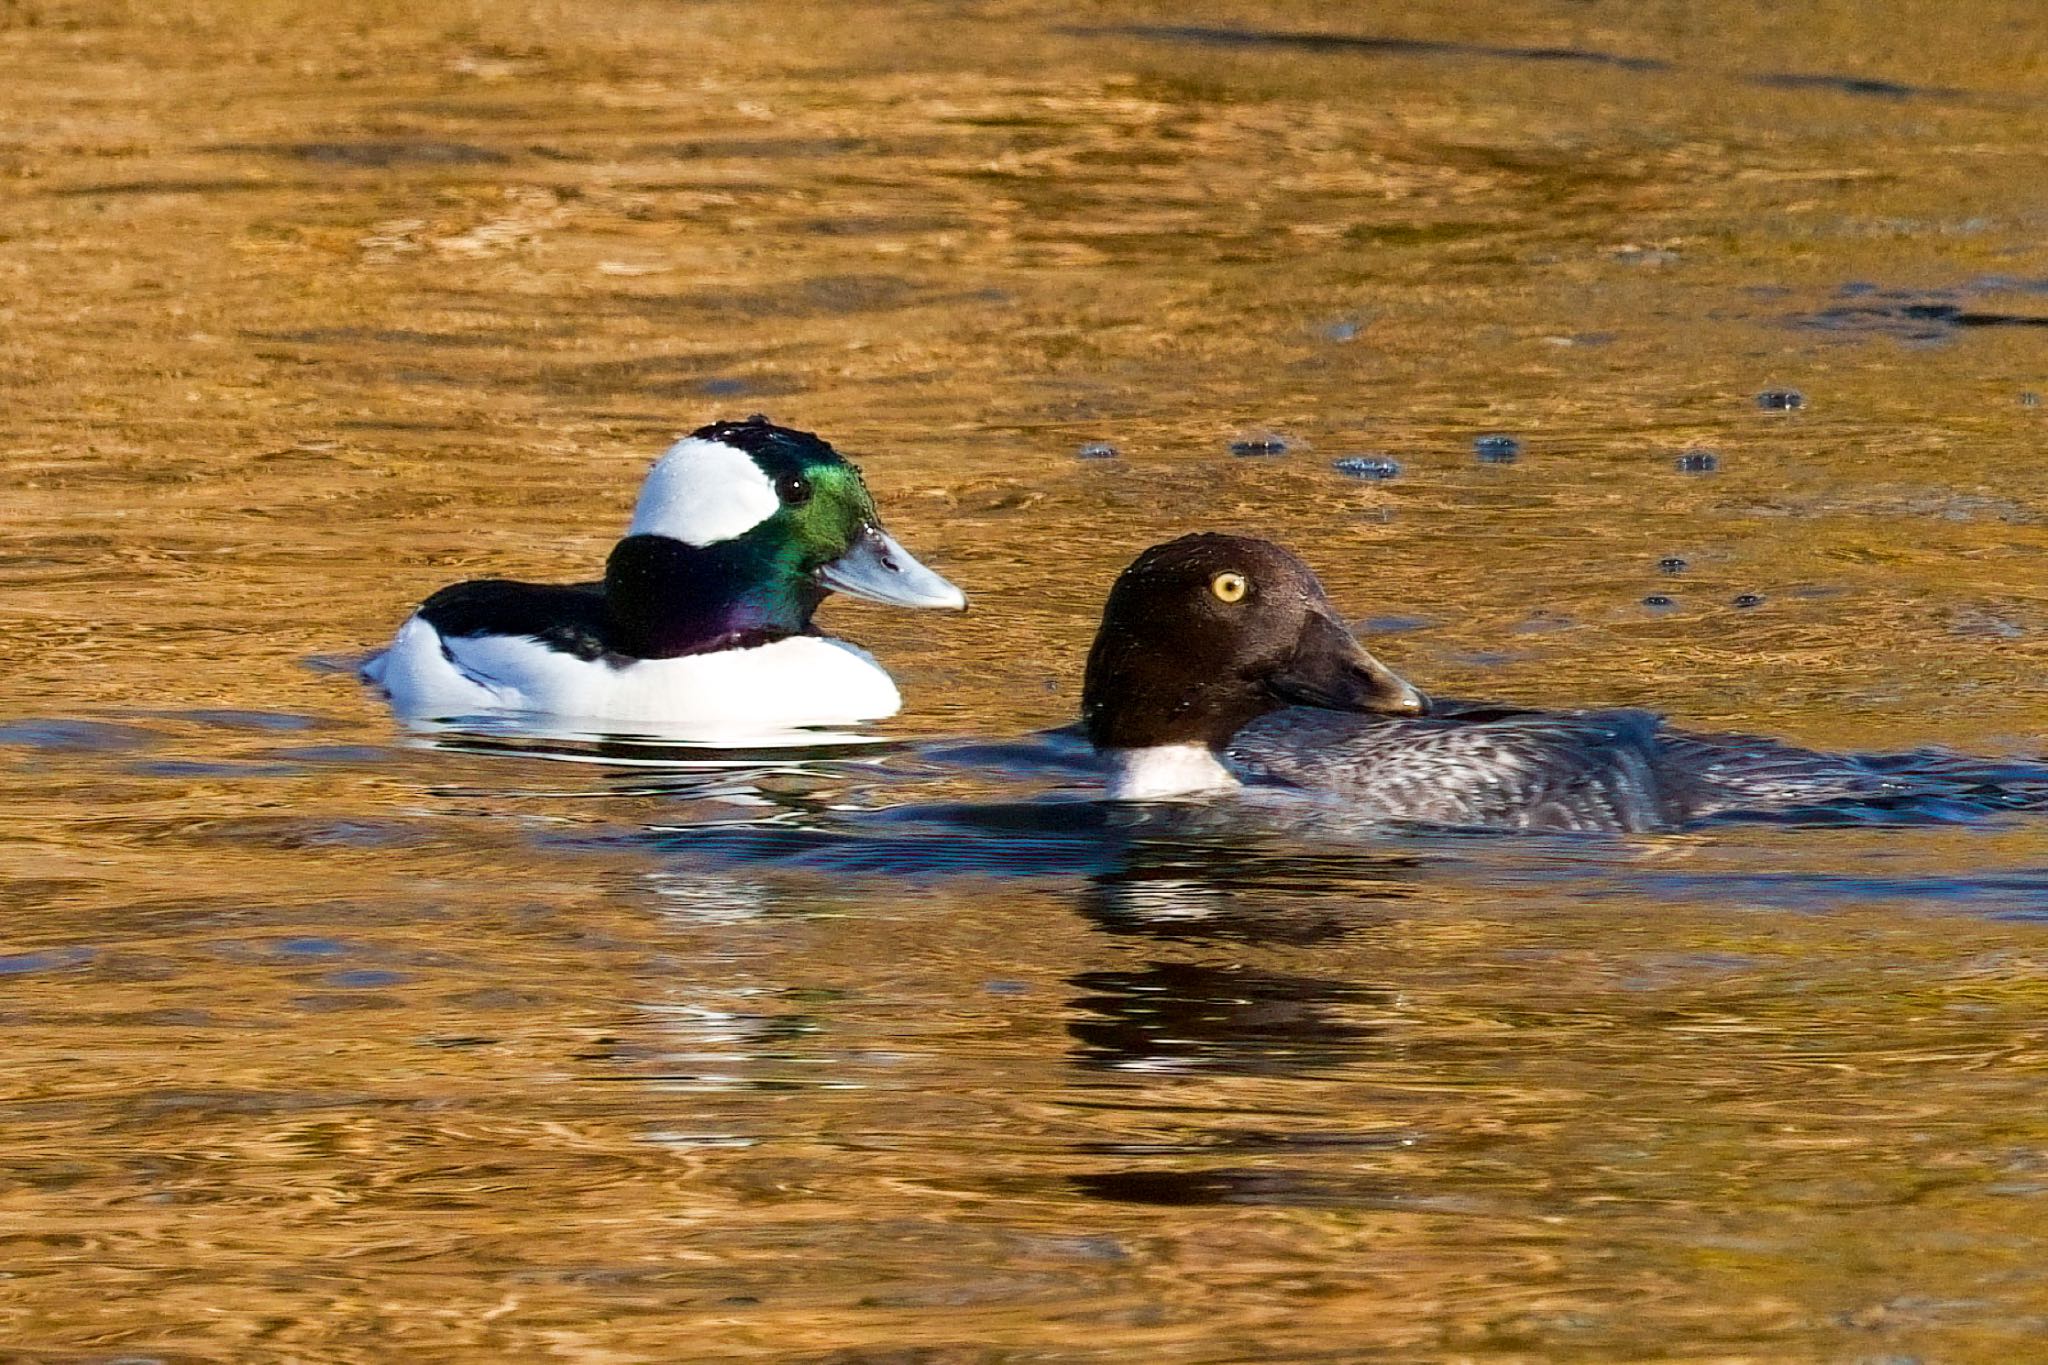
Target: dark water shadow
(1239, 872)
(1303, 41)
(1222, 1186)
(1905, 315)
(1165, 870)
(819, 296)
(1857, 85)
(395, 336)
(650, 756)
(2021, 894)
(759, 148)
(1343, 43)
(64, 735)
(663, 377)
(175, 186)
(374, 153)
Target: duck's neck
(667, 599)
(1166, 772)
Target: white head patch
(702, 492)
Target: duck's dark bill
(1331, 669)
(881, 570)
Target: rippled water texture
(324, 1042)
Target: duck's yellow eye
(1228, 587)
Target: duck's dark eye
(793, 489)
(1228, 587)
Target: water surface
(328, 1042)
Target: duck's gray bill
(1331, 669)
(881, 570)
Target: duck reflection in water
(1170, 1017)
(1174, 1021)
(1179, 883)
(1179, 1023)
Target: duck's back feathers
(1504, 767)
(566, 617)
(1563, 770)
(1717, 773)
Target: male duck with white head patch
(702, 623)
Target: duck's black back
(567, 617)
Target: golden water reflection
(326, 1041)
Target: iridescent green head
(744, 527)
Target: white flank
(1164, 771)
(702, 492)
(421, 680)
(803, 680)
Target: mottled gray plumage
(1494, 767)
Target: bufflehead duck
(702, 623)
(1220, 660)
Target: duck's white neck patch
(702, 492)
(1161, 772)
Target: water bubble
(1497, 448)
(1367, 466)
(1096, 450)
(1671, 564)
(1698, 462)
(1780, 400)
(1261, 443)
(1750, 599)
(1344, 329)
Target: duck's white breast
(803, 680)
